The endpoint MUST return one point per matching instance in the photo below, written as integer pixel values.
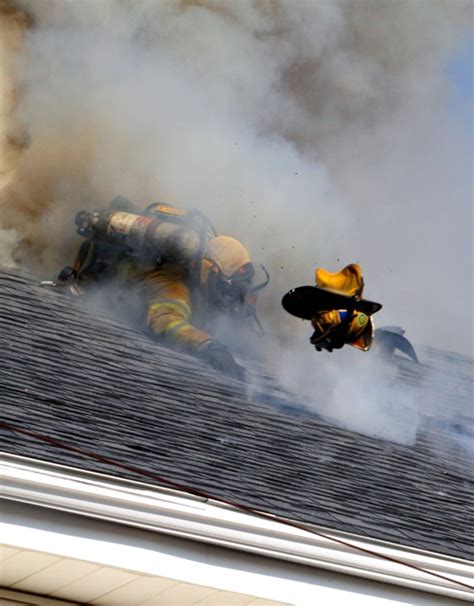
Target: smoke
(319, 133)
(358, 392)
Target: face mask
(228, 294)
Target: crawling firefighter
(183, 271)
(338, 313)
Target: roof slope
(83, 379)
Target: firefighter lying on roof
(335, 307)
(185, 273)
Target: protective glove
(325, 320)
(67, 274)
(219, 357)
(326, 334)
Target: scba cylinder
(143, 234)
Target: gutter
(172, 512)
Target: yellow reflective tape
(173, 302)
(176, 327)
(177, 306)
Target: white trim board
(177, 514)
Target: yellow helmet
(226, 274)
(348, 281)
(227, 255)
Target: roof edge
(179, 514)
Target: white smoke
(356, 391)
(319, 133)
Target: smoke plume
(319, 133)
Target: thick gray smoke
(319, 133)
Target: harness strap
(82, 255)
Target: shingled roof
(81, 378)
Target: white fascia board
(187, 516)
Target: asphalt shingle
(82, 378)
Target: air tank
(142, 234)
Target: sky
(461, 73)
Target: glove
(325, 320)
(66, 274)
(327, 334)
(219, 357)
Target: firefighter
(338, 314)
(180, 297)
(184, 272)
